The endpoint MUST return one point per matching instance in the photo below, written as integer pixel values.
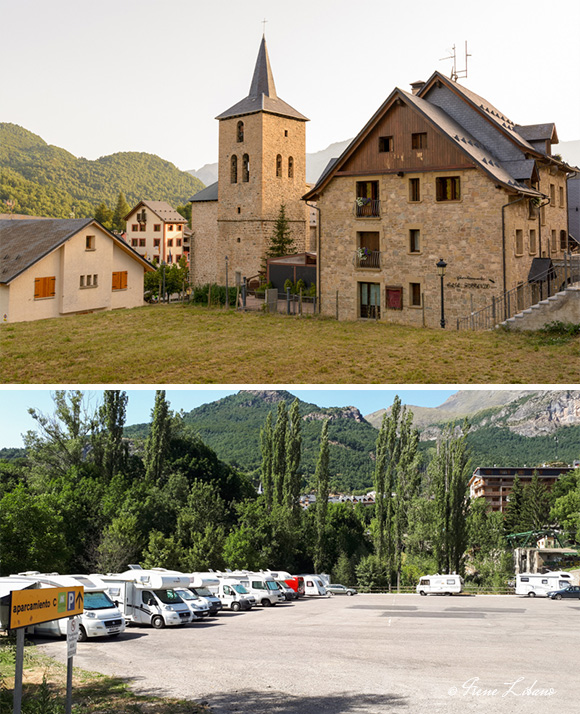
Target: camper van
(200, 586)
(197, 606)
(261, 585)
(234, 595)
(440, 584)
(148, 597)
(313, 585)
(296, 582)
(538, 584)
(100, 618)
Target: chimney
(417, 86)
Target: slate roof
(538, 132)
(262, 96)
(25, 242)
(161, 209)
(209, 193)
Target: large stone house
(55, 267)
(261, 166)
(157, 232)
(435, 174)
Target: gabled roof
(24, 242)
(538, 132)
(161, 209)
(209, 193)
(262, 96)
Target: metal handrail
(367, 208)
(372, 259)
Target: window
(394, 297)
(134, 242)
(178, 243)
(156, 242)
(239, 209)
(533, 242)
(234, 169)
(134, 226)
(90, 243)
(142, 242)
(367, 254)
(370, 300)
(279, 166)
(554, 241)
(44, 287)
(519, 242)
(385, 143)
(88, 281)
(532, 210)
(285, 132)
(240, 132)
(95, 280)
(447, 188)
(120, 280)
(419, 141)
(367, 195)
(561, 194)
(245, 168)
(290, 167)
(543, 215)
(142, 227)
(170, 243)
(563, 240)
(552, 194)
(414, 189)
(170, 227)
(157, 227)
(415, 294)
(414, 240)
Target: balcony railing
(367, 208)
(364, 258)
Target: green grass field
(179, 344)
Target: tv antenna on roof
(455, 73)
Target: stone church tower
(262, 157)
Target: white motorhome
(231, 591)
(313, 585)
(197, 606)
(261, 585)
(440, 584)
(201, 587)
(148, 597)
(100, 618)
(540, 584)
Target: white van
(201, 587)
(148, 597)
(100, 618)
(261, 585)
(233, 594)
(440, 584)
(538, 584)
(313, 585)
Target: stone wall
(203, 262)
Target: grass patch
(44, 689)
(194, 345)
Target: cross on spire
(264, 23)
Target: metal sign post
(72, 635)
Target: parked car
(572, 591)
(339, 590)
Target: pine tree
(104, 215)
(535, 505)
(322, 480)
(281, 241)
(279, 454)
(513, 516)
(122, 208)
(157, 443)
(266, 437)
(292, 480)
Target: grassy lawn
(44, 689)
(179, 344)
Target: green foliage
(48, 181)
(121, 210)
(566, 503)
(535, 505)
(322, 480)
(281, 241)
(200, 293)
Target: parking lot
(367, 654)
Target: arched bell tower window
(245, 168)
(290, 167)
(240, 132)
(279, 166)
(234, 169)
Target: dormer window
(240, 132)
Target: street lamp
(441, 265)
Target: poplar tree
(157, 444)
(292, 480)
(322, 480)
(266, 446)
(112, 415)
(279, 453)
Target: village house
(261, 166)
(56, 267)
(158, 232)
(438, 175)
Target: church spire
(263, 79)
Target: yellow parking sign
(30, 607)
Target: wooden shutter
(120, 280)
(44, 287)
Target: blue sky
(15, 420)
(97, 78)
